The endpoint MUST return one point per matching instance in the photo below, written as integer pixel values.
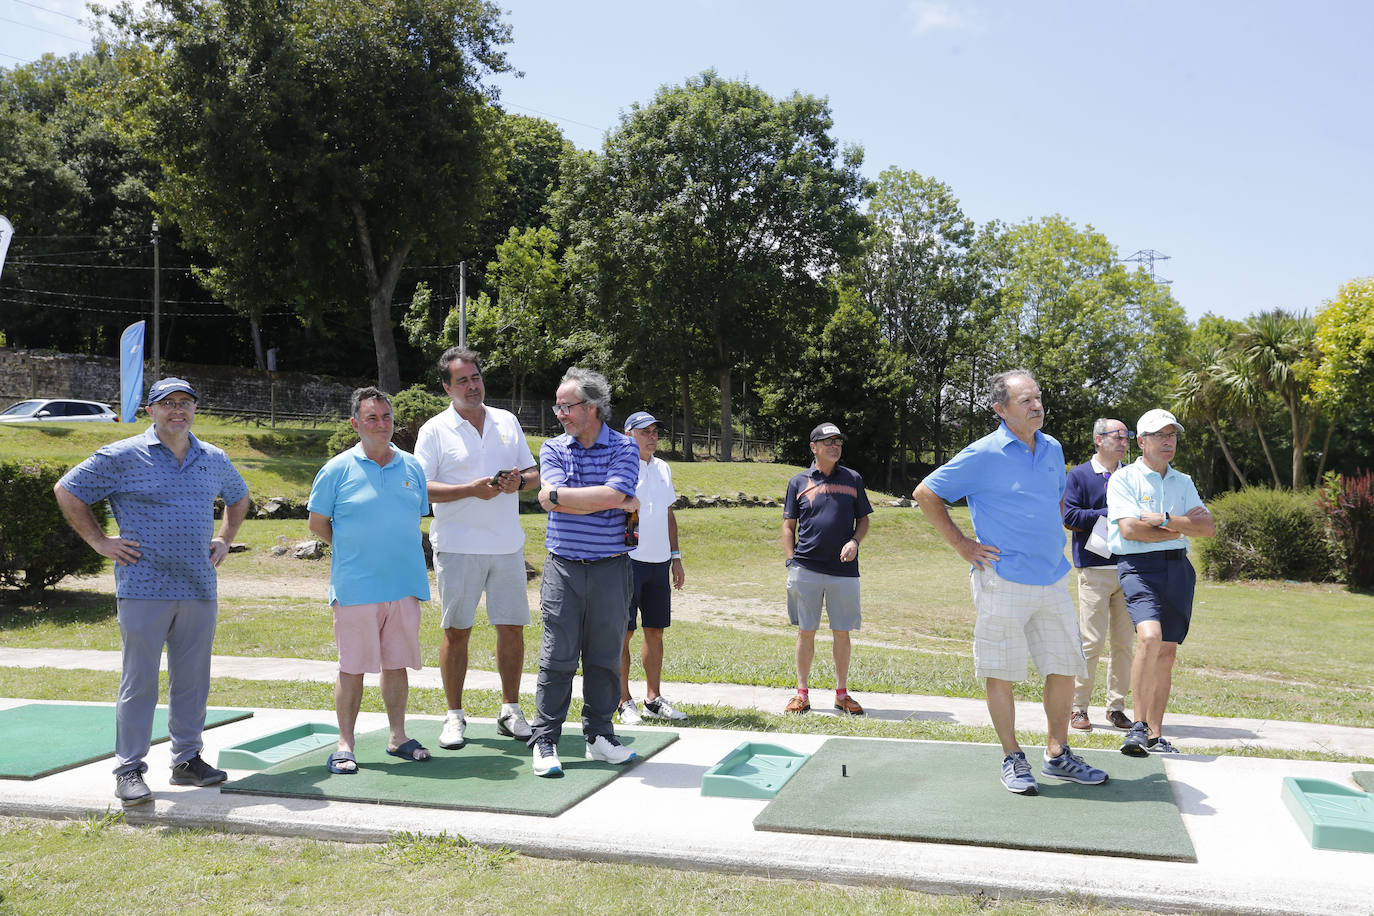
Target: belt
(1178, 554)
(591, 562)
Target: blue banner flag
(130, 371)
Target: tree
(1280, 352)
(1343, 379)
(313, 145)
(705, 232)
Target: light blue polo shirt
(613, 461)
(376, 510)
(1014, 499)
(166, 506)
(1135, 489)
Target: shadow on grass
(55, 606)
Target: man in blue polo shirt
(162, 487)
(367, 504)
(589, 475)
(1013, 479)
(824, 517)
(1152, 510)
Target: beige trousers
(1102, 614)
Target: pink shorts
(373, 637)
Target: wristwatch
(553, 496)
(1165, 523)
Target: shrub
(410, 409)
(37, 546)
(1349, 506)
(1268, 534)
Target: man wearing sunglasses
(1101, 606)
(1152, 510)
(162, 487)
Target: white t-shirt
(656, 497)
(451, 451)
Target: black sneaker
(131, 789)
(196, 772)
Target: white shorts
(462, 577)
(1019, 622)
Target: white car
(63, 410)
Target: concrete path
(1252, 856)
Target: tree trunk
(1264, 443)
(727, 434)
(1326, 449)
(685, 394)
(381, 285)
(1300, 439)
(258, 355)
(1231, 462)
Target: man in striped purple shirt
(588, 478)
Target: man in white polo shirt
(476, 459)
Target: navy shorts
(1159, 586)
(652, 597)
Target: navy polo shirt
(827, 509)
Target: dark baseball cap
(163, 387)
(641, 419)
(827, 431)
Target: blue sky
(1237, 138)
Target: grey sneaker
(131, 790)
(196, 772)
(1070, 766)
(629, 713)
(662, 709)
(1134, 745)
(513, 725)
(1160, 745)
(1016, 775)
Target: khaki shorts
(377, 637)
(463, 577)
(1018, 622)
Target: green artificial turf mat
(42, 738)
(1364, 779)
(489, 773)
(944, 792)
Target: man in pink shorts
(367, 503)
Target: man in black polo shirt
(824, 518)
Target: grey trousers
(586, 608)
(187, 628)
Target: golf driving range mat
(489, 773)
(940, 792)
(42, 738)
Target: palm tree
(1200, 395)
(1278, 348)
(1243, 394)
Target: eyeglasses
(831, 441)
(1118, 434)
(561, 409)
(179, 404)
(1165, 436)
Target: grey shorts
(1019, 622)
(808, 590)
(462, 577)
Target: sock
(841, 693)
(510, 707)
(804, 693)
(457, 713)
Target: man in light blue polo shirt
(162, 487)
(1013, 479)
(367, 503)
(1152, 509)
(589, 475)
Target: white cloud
(934, 16)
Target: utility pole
(1146, 258)
(462, 303)
(157, 304)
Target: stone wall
(222, 389)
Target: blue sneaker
(1160, 745)
(1016, 775)
(1134, 745)
(1070, 766)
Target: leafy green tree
(704, 234)
(313, 146)
(1344, 377)
(1280, 354)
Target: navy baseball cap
(640, 419)
(827, 431)
(166, 386)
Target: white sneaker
(513, 725)
(662, 709)
(546, 762)
(629, 713)
(608, 750)
(451, 738)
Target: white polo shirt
(451, 451)
(656, 497)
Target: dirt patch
(229, 586)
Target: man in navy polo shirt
(588, 477)
(1013, 479)
(824, 517)
(162, 487)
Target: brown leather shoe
(798, 704)
(848, 705)
(1080, 720)
(1119, 719)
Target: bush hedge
(1349, 506)
(1268, 534)
(37, 546)
(410, 409)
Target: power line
(47, 9)
(54, 254)
(39, 28)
